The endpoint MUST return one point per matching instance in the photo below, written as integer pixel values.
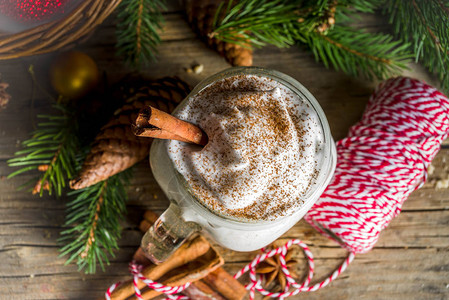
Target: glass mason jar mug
(186, 214)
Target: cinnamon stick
(191, 272)
(222, 281)
(152, 122)
(189, 251)
(199, 290)
(157, 133)
(151, 217)
(218, 284)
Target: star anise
(272, 270)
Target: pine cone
(4, 96)
(116, 148)
(200, 15)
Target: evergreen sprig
(94, 213)
(51, 150)
(257, 23)
(425, 24)
(348, 9)
(305, 22)
(93, 220)
(281, 22)
(137, 30)
(358, 53)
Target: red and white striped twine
(381, 162)
(383, 159)
(136, 270)
(256, 281)
(292, 288)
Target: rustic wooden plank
(380, 274)
(145, 193)
(409, 261)
(410, 230)
(33, 227)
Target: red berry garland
(31, 10)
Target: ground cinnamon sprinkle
(265, 146)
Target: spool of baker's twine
(381, 162)
(383, 159)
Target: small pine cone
(116, 148)
(200, 15)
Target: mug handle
(166, 235)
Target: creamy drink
(265, 146)
(269, 157)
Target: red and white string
(384, 158)
(292, 288)
(255, 280)
(136, 271)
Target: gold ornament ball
(73, 74)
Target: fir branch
(284, 23)
(358, 53)
(137, 30)
(364, 6)
(51, 150)
(280, 22)
(349, 10)
(257, 23)
(93, 221)
(425, 24)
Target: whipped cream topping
(264, 147)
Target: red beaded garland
(31, 10)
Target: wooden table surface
(410, 260)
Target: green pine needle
(358, 53)
(257, 23)
(137, 30)
(425, 24)
(51, 149)
(93, 222)
(282, 23)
